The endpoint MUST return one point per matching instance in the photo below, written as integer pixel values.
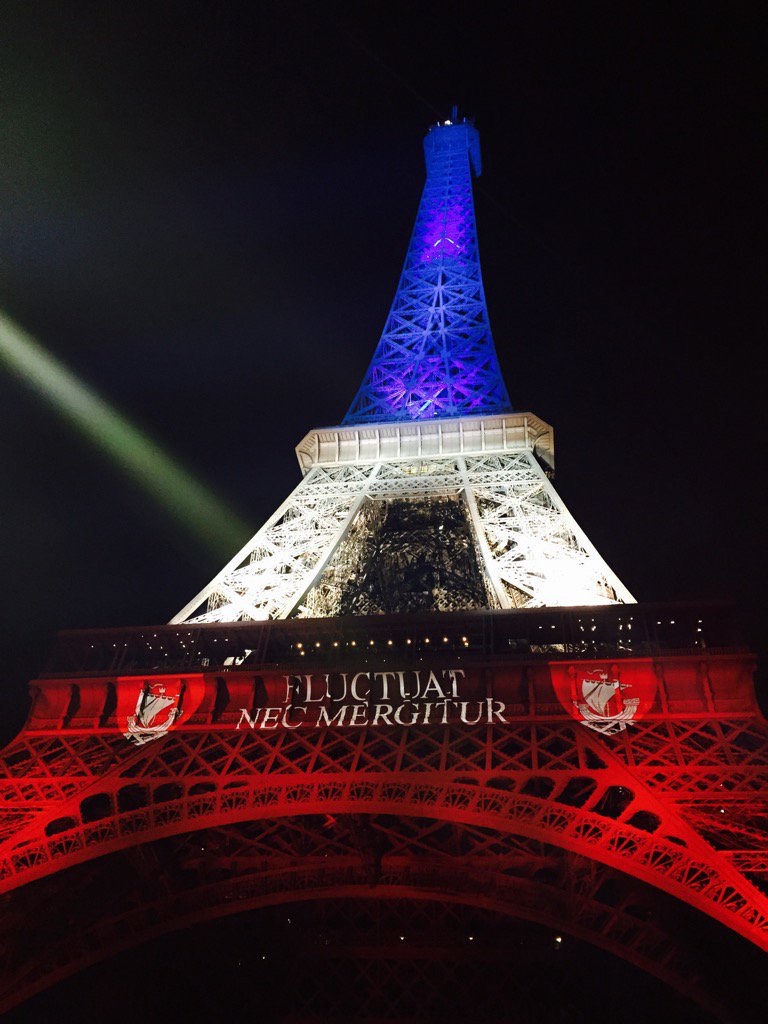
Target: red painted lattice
(549, 813)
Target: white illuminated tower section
(432, 494)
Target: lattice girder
(436, 356)
(641, 807)
(267, 577)
(224, 871)
(532, 551)
(203, 777)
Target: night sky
(204, 213)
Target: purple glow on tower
(443, 235)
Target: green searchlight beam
(192, 505)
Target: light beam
(192, 505)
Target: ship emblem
(604, 707)
(156, 711)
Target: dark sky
(204, 214)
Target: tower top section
(436, 358)
(455, 136)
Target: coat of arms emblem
(156, 711)
(603, 706)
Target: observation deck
(468, 435)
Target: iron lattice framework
(431, 426)
(598, 837)
(486, 474)
(417, 695)
(436, 357)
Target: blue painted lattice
(436, 357)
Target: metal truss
(530, 549)
(268, 577)
(535, 553)
(563, 828)
(372, 878)
(436, 356)
(610, 839)
(204, 776)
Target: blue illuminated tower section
(436, 357)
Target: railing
(613, 631)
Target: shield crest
(605, 698)
(157, 708)
(605, 706)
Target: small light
(354, 643)
(408, 640)
(445, 639)
(389, 643)
(402, 938)
(299, 645)
(317, 643)
(426, 639)
(558, 939)
(370, 643)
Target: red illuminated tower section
(416, 728)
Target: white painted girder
(533, 552)
(267, 576)
(536, 545)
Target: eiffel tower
(414, 715)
